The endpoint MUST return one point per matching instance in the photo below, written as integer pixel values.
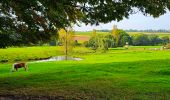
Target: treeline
(149, 30)
(135, 30)
(121, 38)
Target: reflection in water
(59, 58)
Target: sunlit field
(89, 33)
(50, 50)
(137, 73)
(157, 33)
(34, 53)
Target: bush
(53, 43)
(100, 41)
(154, 40)
(167, 46)
(165, 39)
(86, 44)
(76, 43)
(140, 40)
(144, 39)
(121, 38)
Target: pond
(58, 58)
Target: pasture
(34, 53)
(157, 33)
(137, 73)
(89, 33)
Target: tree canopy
(32, 21)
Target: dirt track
(81, 38)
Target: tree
(165, 39)
(154, 39)
(39, 20)
(101, 42)
(94, 32)
(121, 37)
(140, 39)
(116, 35)
(67, 40)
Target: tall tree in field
(31, 21)
(116, 35)
(66, 38)
(94, 32)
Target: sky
(136, 21)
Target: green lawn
(119, 74)
(34, 53)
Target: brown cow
(19, 65)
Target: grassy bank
(134, 74)
(34, 53)
(28, 53)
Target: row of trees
(149, 30)
(143, 39)
(120, 38)
(101, 41)
(135, 30)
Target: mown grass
(26, 53)
(33, 53)
(119, 74)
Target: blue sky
(136, 21)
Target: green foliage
(121, 38)
(66, 38)
(165, 39)
(167, 46)
(94, 33)
(140, 39)
(53, 43)
(101, 42)
(154, 40)
(76, 43)
(148, 39)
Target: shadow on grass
(117, 80)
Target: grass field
(159, 34)
(34, 53)
(139, 73)
(89, 33)
(85, 36)
(26, 53)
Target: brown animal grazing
(19, 65)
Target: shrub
(154, 40)
(165, 39)
(121, 38)
(76, 43)
(100, 41)
(140, 40)
(86, 44)
(167, 46)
